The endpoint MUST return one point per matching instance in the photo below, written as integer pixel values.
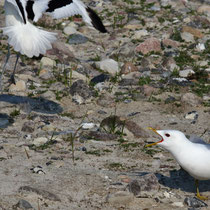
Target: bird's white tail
(28, 39)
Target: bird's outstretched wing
(20, 8)
(62, 9)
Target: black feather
(96, 21)
(21, 10)
(29, 9)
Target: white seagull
(192, 156)
(30, 40)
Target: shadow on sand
(178, 179)
(37, 104)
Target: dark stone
(23, 204)
(81, 88)
(28, 127)
(134, 187)
(77, 39)
(170, 99)
(128, 82)
(100, 78)
(102, 136)
(194, 202)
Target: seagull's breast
(195, 159)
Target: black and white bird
(26, 38)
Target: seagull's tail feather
(28, 39)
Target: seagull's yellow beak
(149, 145)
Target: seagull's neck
(180, 149)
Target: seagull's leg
(4, 67)
(12, 78)
(198, 193)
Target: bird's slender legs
(198, 193)
(12, 78)
(4, 67)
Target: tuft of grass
(15, 113)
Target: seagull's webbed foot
(198, 195)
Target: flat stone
(187, 37)
(195, 32)
(190, 99)
(69, 30)
(204, 9)
(186, 73)
(120, 198)
(20, 86)
(170, 43)
(108, 65)
(149, 45)
(40, 141)
(45, 61)
(23, 204)
(128, 67)
(77, 39)
(138, 34)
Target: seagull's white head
(169, 138)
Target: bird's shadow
(36, 104)
(178, 179)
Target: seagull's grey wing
(197, 140)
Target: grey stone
(82, 89)
(194, 202)
(23, 204)
(28, 127)
(77, 39)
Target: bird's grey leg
(4, 67)
(12, 78)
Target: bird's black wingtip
(96, 21)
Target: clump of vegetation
(15, 113)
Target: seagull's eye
(167, 135)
